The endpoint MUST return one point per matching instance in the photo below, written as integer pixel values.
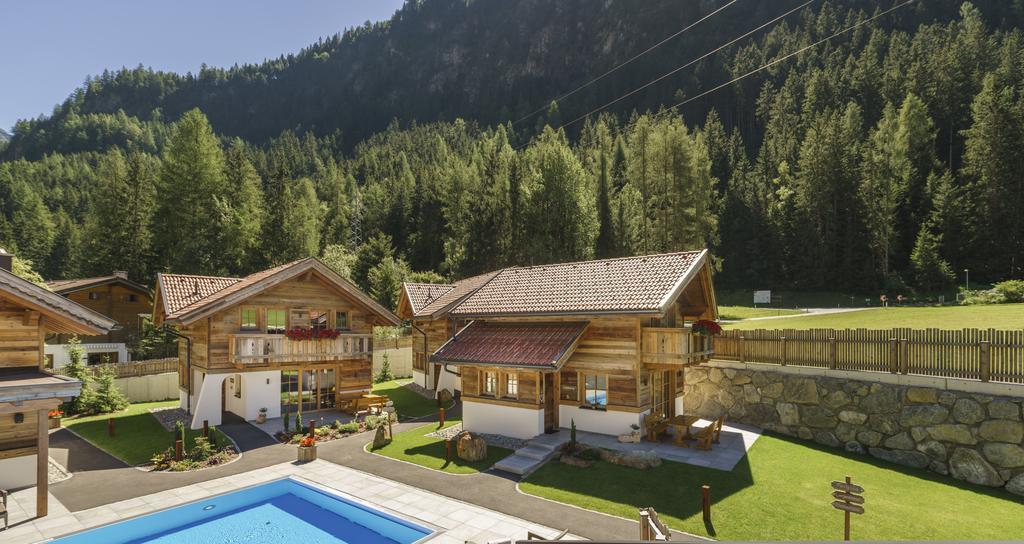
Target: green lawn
(733, 313)
(138, 435)
(414, 447)
(408, 403)
(781, 491)
(996, 316)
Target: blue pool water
(277, 512)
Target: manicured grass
(414, 447)
(731, 313)
(137, 434)
(408, 403)
(996, 316)
(780, 491)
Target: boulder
(750, 394)
(837, 399)
(805, 433)
(1004, 409)
(788, 413)
(816, 416)
(761, 413)
(855, 447)
(912, 416)
(869, 438)
(1016, 484)
(444, 397)
(881, 400)
(742, 378)
(883, 424)
(801, 390)
(919, 434)
(967, 464)
(939, 467)
(968, 411)
(1002, 430)
(922, 395)
(900, 441)
(696, 375)
(933, 449)
(906, 458)
(855, 418)
(716, 375)
(827, 439)
(381, 437)
(1004, 455)
(846, 432)
(642, 460)
(948, 432)
(772, 390)
(471, 448)
(729, 373)
(947, 398)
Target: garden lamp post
(967, 279)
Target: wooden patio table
(682, 426)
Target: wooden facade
(123, 301)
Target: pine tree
(385, 281)
(930, 270)
(606, 237)
(300, 221)
(118, 226)
(76, 369)
(241, 213)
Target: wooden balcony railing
(664, 346)
(270, 349)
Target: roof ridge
(198, 276)
(608, 260)
(453, 306)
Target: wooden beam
(29, 405)
(42, 463)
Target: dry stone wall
(969, 436)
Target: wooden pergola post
(42, 462)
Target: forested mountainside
(886, 157)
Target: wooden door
(437, 376)
(550, 403)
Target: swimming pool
(276, 512)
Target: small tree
(930, 270)
(107, 397)
(77, 370)
(298, 422)
(285, 420)
(385, 374)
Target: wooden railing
(673, 346)
(138, 368)
(652, 528)
(975, 354)
(266, 349)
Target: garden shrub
(107, 397)
(385, 374)
(1011, 290)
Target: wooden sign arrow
(852, 508)
(848, 497)
(849, 488)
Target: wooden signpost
(848, 500)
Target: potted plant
(307, 449)
(261, 417)
(633, 436)
(54, 418)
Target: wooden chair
(653, 426)
(346, 402)
(710, 434)
(3, 507)
(718, 428)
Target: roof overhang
(61, 314)
(102, 281)
(536, 346)
(22, 387)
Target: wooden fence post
(110, 426)
(783, 341)
(904, 356)
(312, 427)
(179, 450)
(894, 356)
(832, 353)
(985, 370)
(705, 500)
(645, 525)
(743, 356)
(206, 428)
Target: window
(341, 321)
(319, 320)
(94, 295)
(275, 322)
(249, 320)
(132, 298)
(596, 391)
(490, 383)
(101, 358)
(512, 385)
(238, 385)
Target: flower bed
(336, 430)
(206, 452)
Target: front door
(550, 403)
(326, 387)
(437, 375)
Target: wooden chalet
(114, 296)
(292, 338)
(28, 393)
(602, 343)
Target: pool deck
(454, 522)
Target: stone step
(536, 451)
(518, 464)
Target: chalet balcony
(666, 348)
(247, 350)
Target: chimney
(6, 260)
(121, 274)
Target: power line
(633, 58)
(794, 53)
(688, 64)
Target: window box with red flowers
(311, 334)
(704, 331)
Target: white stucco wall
(449, 381)
(17, 472)
(420, 378)
(152, 388)
(504, 420)
(207, 400)
(400, 360)
(599, 421)
(61, 358)
(261, 390)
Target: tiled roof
(67, 286)
(530, 345)
(70, 311)
(186, 297)
(460, 290)
(624, 285)
(422, 294)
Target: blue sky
(48, 47)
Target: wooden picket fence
(974, 354)
(140, 368)
(392, 343)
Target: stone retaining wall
(967, 435)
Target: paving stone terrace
(455, 522)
